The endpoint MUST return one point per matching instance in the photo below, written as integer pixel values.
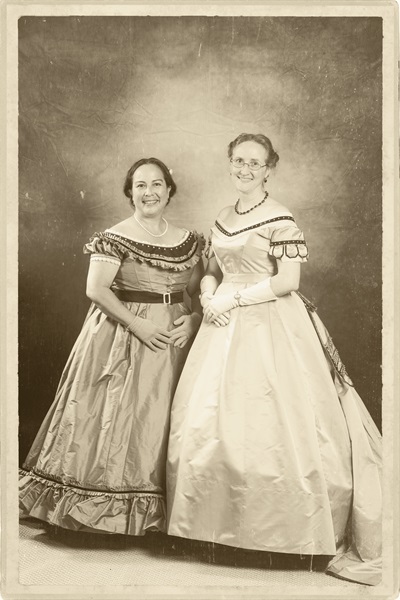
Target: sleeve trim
(102, 258)
(287, 242)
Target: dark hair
(148, 161)
(259, 138)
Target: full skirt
(271, 448)
(98, 461)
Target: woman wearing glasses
(98, 462)
(270, 447)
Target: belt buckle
(167, 297)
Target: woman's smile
(247, 181)
(150, 201)
(149, 190)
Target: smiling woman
(271, 448)
(252, 157)
(98, 461)
(150, 187)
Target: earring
(266, 179)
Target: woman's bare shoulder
(179, 231)
(272, 208)
(225, 212)
(124, 226)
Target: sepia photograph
(199, 396)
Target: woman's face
(149, 191)
(245, 179)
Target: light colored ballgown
(271, 448)
(98, 461)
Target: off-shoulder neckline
(221, 226)
(127, 237)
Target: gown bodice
(147, 267)
(254, 250)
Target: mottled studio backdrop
(97, 93)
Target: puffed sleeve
(198, 243)
(287, 243)
(101, 248)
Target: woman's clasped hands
(152, 335)
(216, 309)
(187, 326)
(157, 338)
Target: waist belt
(149, 297)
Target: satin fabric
(98, 460)
(270, 449)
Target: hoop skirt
(98, 462)
(270, 447)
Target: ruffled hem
(127, 513)
(188, 264)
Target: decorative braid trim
(287, 242)
(178, 253)
(289, 248)
(103, 258)
(125, 512)
(177, 258)
(79, 487)
(231, 233)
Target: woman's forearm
(109, 304)
(282, 284)
(195, 304)
(213, 268)
(212, 277)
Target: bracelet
(238, 297)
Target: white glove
(153, 336)
(255, 294)
(205, 298)
(186, 327)
(208, 285)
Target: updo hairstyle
(149, 161)
(259, 138)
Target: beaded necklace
(237, 211)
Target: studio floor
(51, 557)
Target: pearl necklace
(156, 235)
(250, 209)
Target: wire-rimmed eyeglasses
(254, 165)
